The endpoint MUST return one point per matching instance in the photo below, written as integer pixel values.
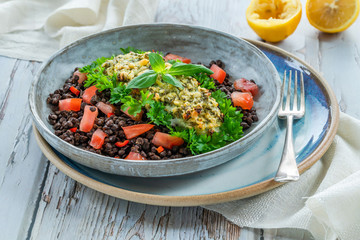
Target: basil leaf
(144, 80)
(157, 62)
(180, 68)
(172, 80)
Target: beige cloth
(35, 29)
(325, 201)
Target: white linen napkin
(325, 201)
(35, 29)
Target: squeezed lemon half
(332, 16)
(274, 20)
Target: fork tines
(294, 108)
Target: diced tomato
(219, 74)
(135, 156)
(122, 144)
(136, 130)
(97, 139)
(88, 94)
(70, 104)
(107, 109)
(242, 99)
(88, 119)
(135, 118)
(160, 149)
(73, 129)
(171, 56)
(166, 140)
(82, 76)
(74, 90)
(245, 85)
(116, 157)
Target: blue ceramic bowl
(241, 58)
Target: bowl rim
(251, 133)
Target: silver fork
(288, 170)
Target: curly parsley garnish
(205, 81)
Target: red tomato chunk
(166, 140)
(88, 94)
(74, 90)
(242, 99)
(70, 104)
(107, 109)
(97, 139)
(219, 74)
(135, 118)
(122, 144)
(160, 149)
(171, 56)
(88, 119)
(135, 156)
(245, 85)
(73, 129)
(136, 130)
(82, 76)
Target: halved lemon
(274, 20)
(332, 16)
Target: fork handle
(288, 170)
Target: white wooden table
(39, 202)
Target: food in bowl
(142, 105)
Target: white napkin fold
(325, 201)
(34, 29)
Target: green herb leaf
(219, 96)
(180, 68)
(195, 142)
(158, 115)
(118, 93)
(146, 98)
(104, 82)
(144, 80)
(95, 75)
(184, 134)
(205, 81)
(157, 62)
(131, 49)
(173, 61)
(231, 127)
(131, 105)
(172, 80)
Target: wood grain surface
(39, 202)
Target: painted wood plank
(22, 166)
(343, 76)
(69, 210)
